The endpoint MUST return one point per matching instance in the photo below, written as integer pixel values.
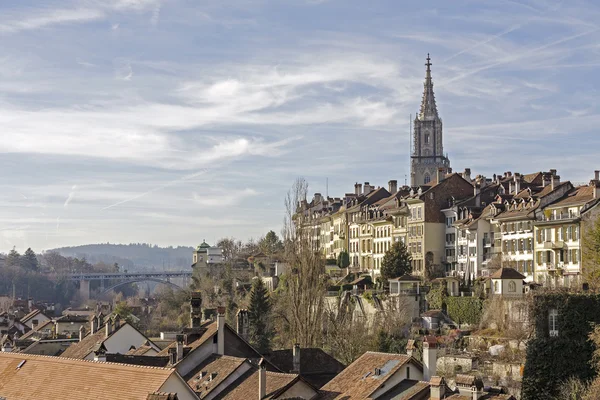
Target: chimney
(108, 326)
(30, 304)
(555, 181)
(440, 174)
(116, 322)
(368, 188)
(221, 330)
(296, 358)
(318, 197)
(195, 310)
(410, 348)
(242, 324)
(179, 347)
(7, 346)
(597, 175)
(172, 355)
(81, 333)
(94, 325)
(476, 192)
(546, 179)
(438, 388)
(429, 357)
(393, 186)
(595, 184)
(262, 379)
(467, 174)
(358, 189)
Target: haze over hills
(132, 256)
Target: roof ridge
(282, 374)
(68, 359)
(387, 354)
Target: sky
(174, 121)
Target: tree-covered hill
(134, 255)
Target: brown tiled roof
(312, 361)
(210, 330)
(358, 380)
(140, 351)
(468, 380)
(507, 273)
(211, 372)
(32, 377)
(247, 385)
(578, 196)
(436, 380)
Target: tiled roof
(162, 396)
(210, 330)
(211, 372)
(507, 273)
(32, 377)
(312, 361)
(38, 328)
(358, 380)
(90, 342)
(140, 351)
(247, 386)
(578, 196)
(404, 278)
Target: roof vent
(21, 364)
(377, 371)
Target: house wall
(122, 340)
(196, 357)
(503, 287)
(174, 384)
(446, 365)
(71, 328)
(399, 376)
(299, 390)
(435, 241)
(40, 318)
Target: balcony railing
(553, 245)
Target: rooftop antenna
(327, 187)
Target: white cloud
(41, 18)
(223, 198)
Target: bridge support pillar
(84, 289)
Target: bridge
(125, 278)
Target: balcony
(553, 245)
(450, 259)
(487, 242)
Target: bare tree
(305, 284)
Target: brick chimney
(221, 330)
(393, 186)
(262, 379)
(296, 358)
(367, 188)
(429, 357)
(467, 174)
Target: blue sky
(173, 121)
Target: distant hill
(132, 256)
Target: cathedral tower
(428, 149)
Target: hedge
(464, 310)
(552, 360)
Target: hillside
(132, 256)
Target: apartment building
(515, 225)
(558, 232)
(426, 223)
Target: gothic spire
(428, 107)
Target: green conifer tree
(396, 262)
(259, 317)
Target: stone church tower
(428, 149)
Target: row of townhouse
(464, 227)
(533, 224)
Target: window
(427, 179)
(512, 286)
(407, 372)
(426, 138)
(496, 287)
(553, 322)
(419, 213)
